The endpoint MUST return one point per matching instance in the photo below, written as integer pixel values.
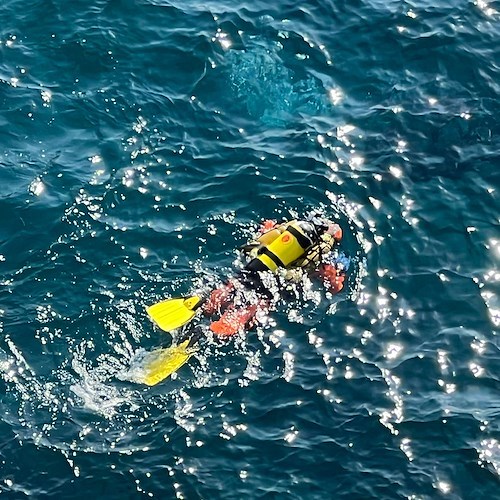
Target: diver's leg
(238, 319)
(193, 334)
(219, 299)
(240, 316)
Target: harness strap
(302, 239)
(272, 256)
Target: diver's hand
(267, 225)
(333, 277)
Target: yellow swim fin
(174, 313)
(161, 363)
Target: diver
(288, 249)
(280, 253)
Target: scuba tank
(284, 247)
(268, 237)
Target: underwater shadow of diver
(271, 92)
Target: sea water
(143, 141)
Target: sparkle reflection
(485, 7)
(335, 95)
(477, 370)
(490, 453)
(395, 171)
(443, 486)
(46, 96)
(223, 39)
(478, 345)
(490, 280)
(37, 187)
(393, 350)
(406, 448)
(292, 435)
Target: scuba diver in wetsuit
(285, 250)
(289, 248)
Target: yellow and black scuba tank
(286, 248)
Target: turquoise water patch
(272, 93)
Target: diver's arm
(333, 277)
(319, 262)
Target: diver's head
(335, 230)
(323, 225)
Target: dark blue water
(143, 140)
